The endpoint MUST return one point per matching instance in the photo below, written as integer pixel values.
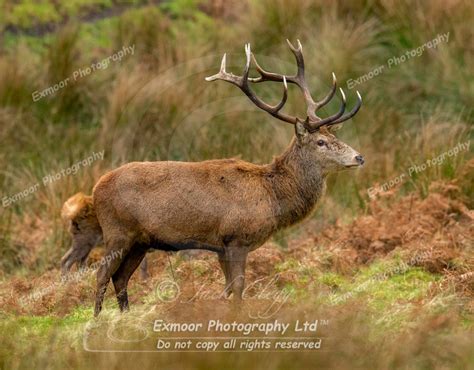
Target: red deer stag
(228, 206)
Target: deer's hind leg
(117, 250)
(121, 277)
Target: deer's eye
(321, 142)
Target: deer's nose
(359, 159)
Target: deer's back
(207, 201)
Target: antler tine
(223, 75)
(273, 110)
(331, 119)
(221, 71)
(298, 53)
(268, 76)
(243, 83)
(285, 96)
(248, 55)
(330, 95)
(223, 63)
(351, 113)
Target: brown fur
(83, 226)
(79, 215)
(228, 206)
(78, 206)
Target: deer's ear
(336, 127)
(300, 130)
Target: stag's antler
(243, 83)
(312, 121)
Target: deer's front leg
(226, 270)
(236, 259)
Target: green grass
(43, 326)
(390, 289)
(26, 14)
(30, 13)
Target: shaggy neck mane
(297, 183)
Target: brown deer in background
(228, 206)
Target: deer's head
(314, 135)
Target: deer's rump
(174, 203)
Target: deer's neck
(297, 182)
